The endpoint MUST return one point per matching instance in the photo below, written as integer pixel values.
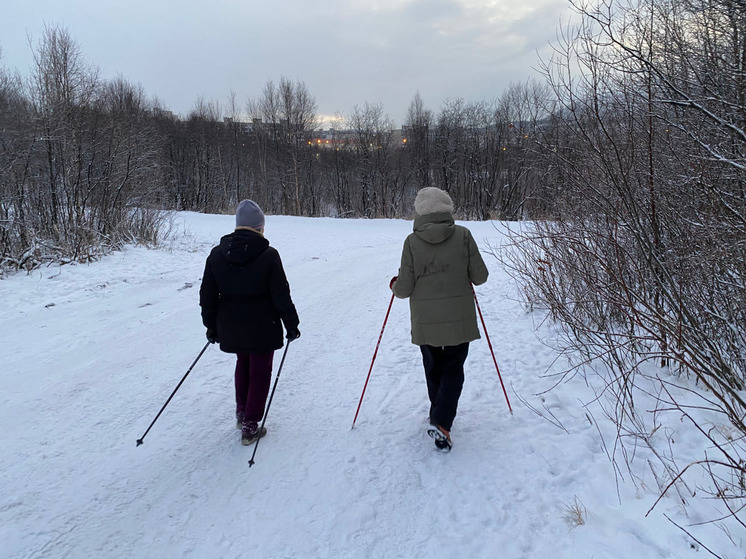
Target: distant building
(331, 138)
(162, 113)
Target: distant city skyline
(347, 53)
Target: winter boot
(250, 432)
(442, 438)
(239, 419)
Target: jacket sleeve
(209, 297)
(404, 285)
(280, 294)
(477, 269)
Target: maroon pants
(253, 376)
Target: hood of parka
(243, 246)
(434, 228)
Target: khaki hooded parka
(440, 260)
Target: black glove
(293, 334)
(212, 335)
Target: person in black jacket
(245, 300)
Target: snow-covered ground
(91, 352)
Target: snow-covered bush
(644, 260)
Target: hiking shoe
(239, 419)
(251, 432)
(441, 437)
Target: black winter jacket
(245, 294)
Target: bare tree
(62, 88)
(418, 128)
(237, 144)
(377, 183)
(644, 262)
(283, 116)
(73, 182)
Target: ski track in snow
(91, 353)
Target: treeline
(88, 164)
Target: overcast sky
(346, 52)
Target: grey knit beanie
(249, 214)
(432, 200)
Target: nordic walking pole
(139, 441)
(373, 361)
(256, 444)
(489, 343)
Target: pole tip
(139, 442)
(251, 463)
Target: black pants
(444, 372)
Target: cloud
(346, 52)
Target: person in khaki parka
(440, 261)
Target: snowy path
(90, 353)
